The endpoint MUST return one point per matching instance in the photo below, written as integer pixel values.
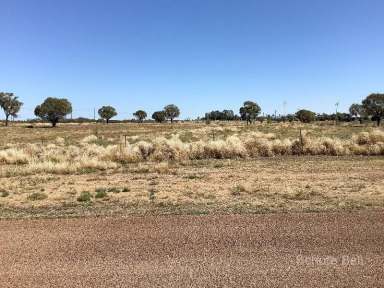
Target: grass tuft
(84, 197)
(37, 196)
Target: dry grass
(208, 168)
(290, 183)
(89, 154)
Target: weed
(101, 194)
(151, 194)
(141, 170)
(193, 176)
(100, 190)
(236, 191)
(84, 197)
(114, 190)
(37, 196)
(4, 194)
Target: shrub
(151, 194)
(4, 194)
(84, 197)
(162, 168)
(305, 116)
(100, 194)
(113, 190)
(100, 190)
(37, 196)
(13, 156)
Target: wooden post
(301, 142)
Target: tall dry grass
(58, 157)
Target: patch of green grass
(84, 197)
(37, 196)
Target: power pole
(337, 106)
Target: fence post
(301, 142)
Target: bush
(114, 190)
(151, 194)
(4, 194)
(100, 194)
(84, 197)
(305, 116)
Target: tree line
(55, 110)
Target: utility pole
(337, 106)
(94, 114)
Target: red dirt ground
(273, 250)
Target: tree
(249, 111)
(374, 106)
(140, 115)
(107, 112)
(159, 116)
(53, 110)
(171, 112)
(357, 110)
(305, 116)
(10, 104)
(226, 115)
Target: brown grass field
(189, 168)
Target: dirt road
(275, 250)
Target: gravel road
(272, 250)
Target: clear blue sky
(201, 55)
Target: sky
(201, 55)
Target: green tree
(171, 112)
(140, 115)
(374, 106)
(159, 116)
(53, 110)
(249, 111)
(305, 116)
(10, 104)
(357, 110)
(107, 112)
